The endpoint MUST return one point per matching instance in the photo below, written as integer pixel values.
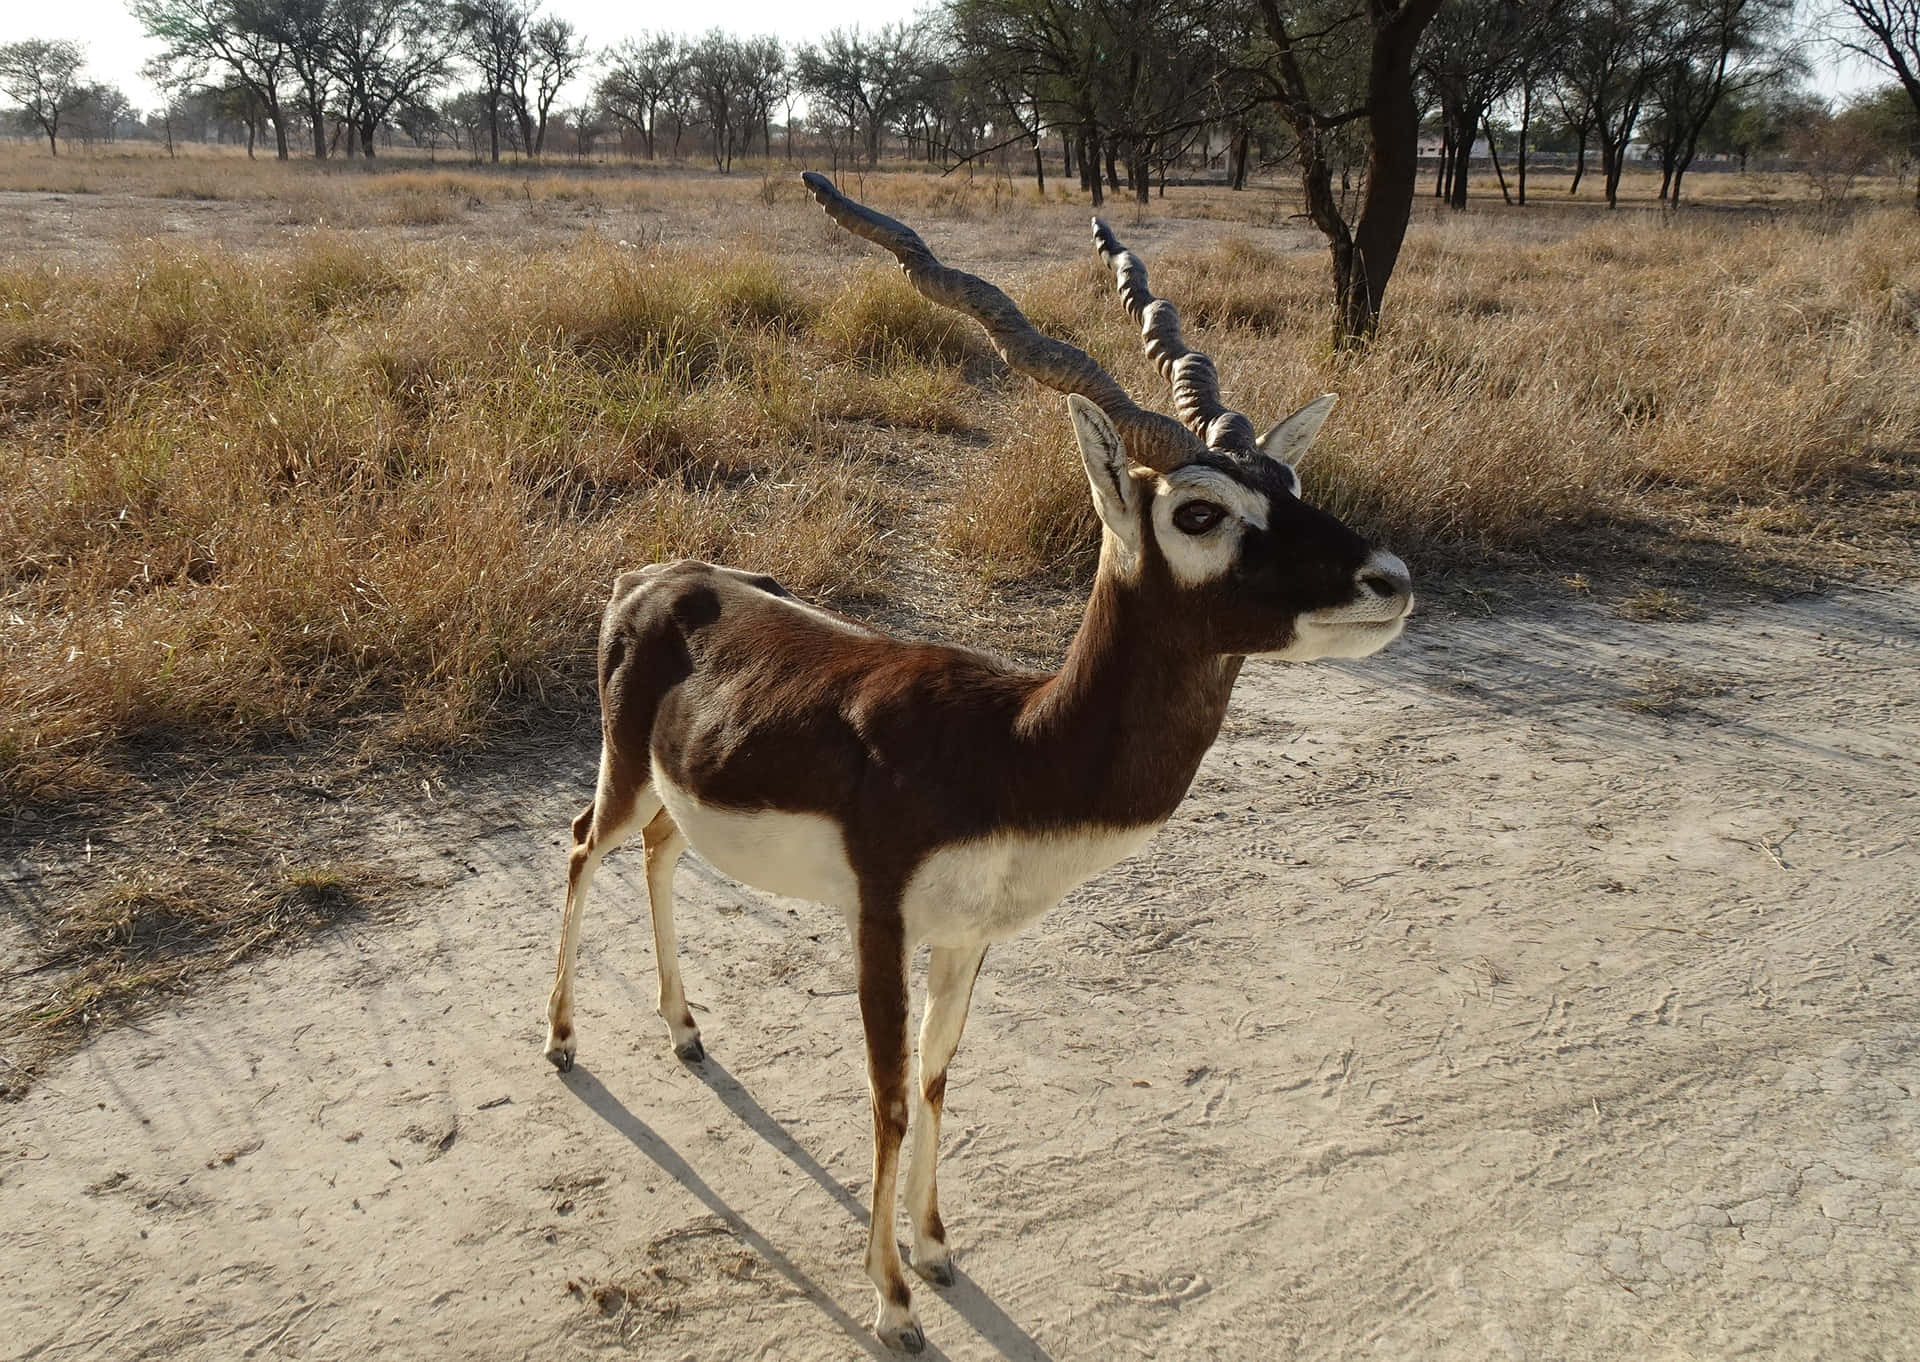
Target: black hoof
(940, 1274)
(563, 1061)
(912, 1340)
(693, 1052)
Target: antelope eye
(1197, 517)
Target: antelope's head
(1198, 510)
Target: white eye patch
(1198, 558)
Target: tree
(1713, 48)
(641, 74)
(718, 74)
(173, 85)
(1834, 150)
(1470, 58)
(196, 34)
(42, 77)
(1613, 55)
(492, 34)
(1315, 107)
(552, 55)
(300, 29)
(1122, 81)
(100, 111)
(1758, 120)
(764, 82)
(1886, 33)
(1039, 61)
(388, 55)
(1889, 120)
(868, 78)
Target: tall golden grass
(249, 497)
(264, 494)
(1520, 385)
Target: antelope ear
(1289, 441)
(1116, 497)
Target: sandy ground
(1544, 987)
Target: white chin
(1311, 641)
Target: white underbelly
(801, 855)
(964, 894)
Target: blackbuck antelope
(931, 793)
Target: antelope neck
(1134, 707)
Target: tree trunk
(1579, 164)
(1526, 117)
(367, 127)
(1242, 146)
(1493, 155)
(1466, 124)
(1039, 166)
(1440, 185)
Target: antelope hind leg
(665, 842)
(616, 810)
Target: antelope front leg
(880, 944)
(950, 976)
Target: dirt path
(1544, 987)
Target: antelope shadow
(964, 1297)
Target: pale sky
(116, 47)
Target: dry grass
(250, 496)
(1521, 386)
(153, 935)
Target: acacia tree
(388, 55)
(1886, 33)
(716, 73)
(1042, 60)
(300, 28)
(42, 76)
(492, 35)
(1613, 55)
(764, 82)
(641, 73)
(1314, 104)
(1714, 48)
(1470, 58)
(197, 34)
(869, 78)
(551, 56)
